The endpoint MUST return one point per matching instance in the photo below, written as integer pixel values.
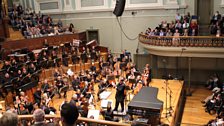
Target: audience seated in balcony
(33, 24)
(184, 25)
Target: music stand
(132, 81)
(83, 78)
(137, 74)
(119, 59)
(110, 77)
(105, 64)
(122, 65)
(67, 44)
(121, 56)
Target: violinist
(56, 74)
(83, 88)
(89, 78)
(7, 79)
(75, 82)
(148, 74)
(60, 83)
(93, 68)
(74, 99)
(32, 68)
(6, 66)
(45, 88)
(93, 71)
(18, 78)
(25, 76)
(37, 96)
(102, 87)
(138, 85)
(25, 102)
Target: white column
(37, 6)
(222, 3)
(68, 5)
(183, 3)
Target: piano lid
(147, 98)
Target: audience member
(39, 118)
(9, 119)
(69, 114)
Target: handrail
(80, 119)
(182, 41)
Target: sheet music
(93, 113)
(105, 94)
(104, 103)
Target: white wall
(109, 31)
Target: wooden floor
(194, 114)
(175, 85)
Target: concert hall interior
(111, 62)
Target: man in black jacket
(120, 94)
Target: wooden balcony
(80, 119)
(185, 46)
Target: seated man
(69, 114)
(37, 96)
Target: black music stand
(110, 77)
(121, 56)
(83, 78)
(137, 74)
(105, 64)
(132, 81)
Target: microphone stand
(170, 108)
(170, 99)
(166, 82)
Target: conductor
(120, 94)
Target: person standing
(120, 94)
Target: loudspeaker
(119, 8)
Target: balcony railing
(184, 46)
(183, 41)
(80, 120)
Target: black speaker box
(119, 8)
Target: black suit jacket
(120, 92)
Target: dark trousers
(117, 104)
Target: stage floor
(175, 85)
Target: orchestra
(116, 73)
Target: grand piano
(146, 105)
